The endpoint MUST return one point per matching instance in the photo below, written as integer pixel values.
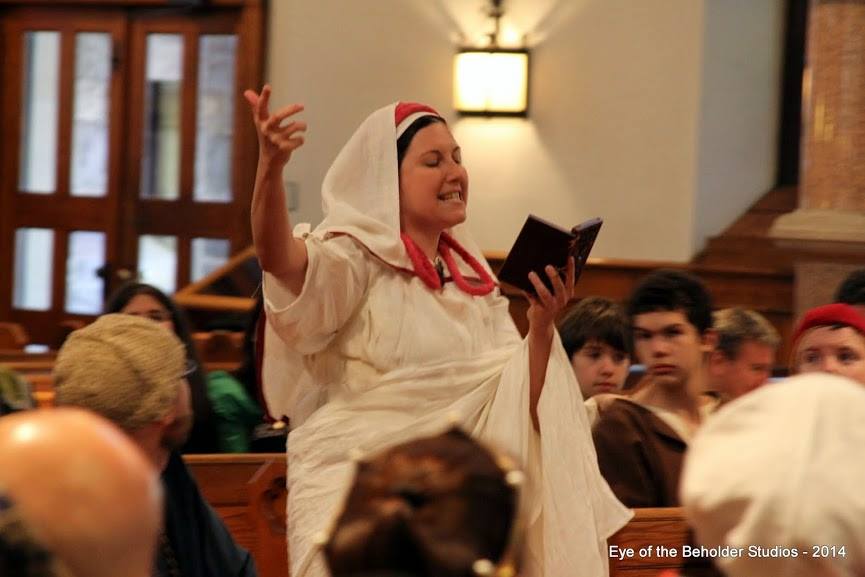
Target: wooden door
(127, 150)
(62, 116)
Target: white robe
(367, 357)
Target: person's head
(851, 291)
(744, 354)
(433, 183)
(779, 468)
(15, 393)
(144, 300)
(77, 498)
(133, 372)
(597, 339)
(671, 321)
(831, 339)
(430, 507)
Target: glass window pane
(84, 286)
(215, 122)
(160, 159)
(34, 257)
(208, 254)
(41, 77)
(157, 261)
(89, 165)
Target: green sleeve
(236, 412)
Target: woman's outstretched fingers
(285, 112)
(261, 111)
(251, 97)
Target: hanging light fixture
(492, 81)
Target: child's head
(671, 317)
(831, 339)
(597, 338)
(432, 506)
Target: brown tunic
(639, 455)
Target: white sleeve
(336, 281)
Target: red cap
(828, 315)
(407, 112)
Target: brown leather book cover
(541, 243)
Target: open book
(541, 243)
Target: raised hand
(546, 306)
(279, 253)
(276, 141)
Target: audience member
(439, 506)
(144, 300)
(77, 498)
(851, 291)
(640, 440)
(831, 339)
(133, 371)
(774, 477)
(597, 339)
(15, 393)
(234, 396)
(744, 355)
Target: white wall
(739, 109)
(619, 126)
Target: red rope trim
(446, 242)
(425, 270)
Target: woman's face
(144, 305)
(433, 184)
(840, 351)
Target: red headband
(828, 315)
(407, 112)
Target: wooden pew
(13, 336)
(248, 491)
(650, 528)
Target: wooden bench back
(639, 543)
(248, 492)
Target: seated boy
(831, 339)
(596, 336)
(641, 440)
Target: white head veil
(360, 192)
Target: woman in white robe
(366, 346)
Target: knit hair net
(126, 368)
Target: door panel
(65, 119)
(125, 150)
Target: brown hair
(736, 326)
(427, 508)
